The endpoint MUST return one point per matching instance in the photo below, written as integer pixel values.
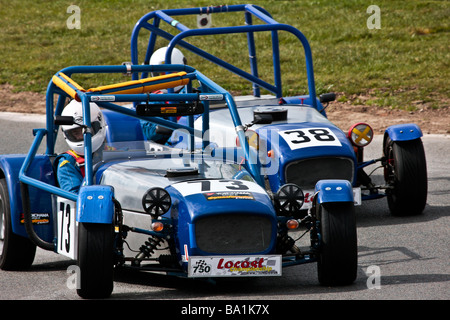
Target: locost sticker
(234, 266)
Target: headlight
(289, 199)
(156, 202)
(360, 134)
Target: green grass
(405, 61)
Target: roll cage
(152, 21)
(137, 91)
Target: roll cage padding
(139, 86)
(144, 85)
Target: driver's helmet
(159, 57)
(74, 133)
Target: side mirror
(64, 120)
(327, 97)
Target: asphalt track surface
(410, 254)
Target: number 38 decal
(309, 137)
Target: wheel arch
(402, 132)
(10, 166)
(334, 191)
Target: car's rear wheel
(95, 260)
(338, 257)
(16, 252)
(406, 174)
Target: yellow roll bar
(152, 84)
(144, 85)
(63, 82)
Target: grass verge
(401, 65)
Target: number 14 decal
(309, 137)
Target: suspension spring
(148, 248)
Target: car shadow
(295, 282)
(376, 212)
(50, 266)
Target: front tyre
(406, 174)
(95, 260)
(338, 258)
(16, 252)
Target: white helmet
(159, 57)
(74, 133)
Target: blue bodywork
(287, 155)
(193, 208)
(41, 169)
(334, 191)
(95, 204)
(404, 132)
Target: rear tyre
(338, 258)
(95, 260)
(16, 252)
(406, 173)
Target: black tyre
(338, 258)
(16, 252)
(95, 260)
(406, 173)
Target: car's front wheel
(406, 175)
(338, 258)
(95, 260)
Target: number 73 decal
(309, 137)
(67, 230)
(219, 185)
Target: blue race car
(187, 212)
(291, 139)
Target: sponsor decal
(228, 195)
(37, 218)
(186, 253)
(240, 266)
(103, 98)
(168, 109)
(212, 97)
